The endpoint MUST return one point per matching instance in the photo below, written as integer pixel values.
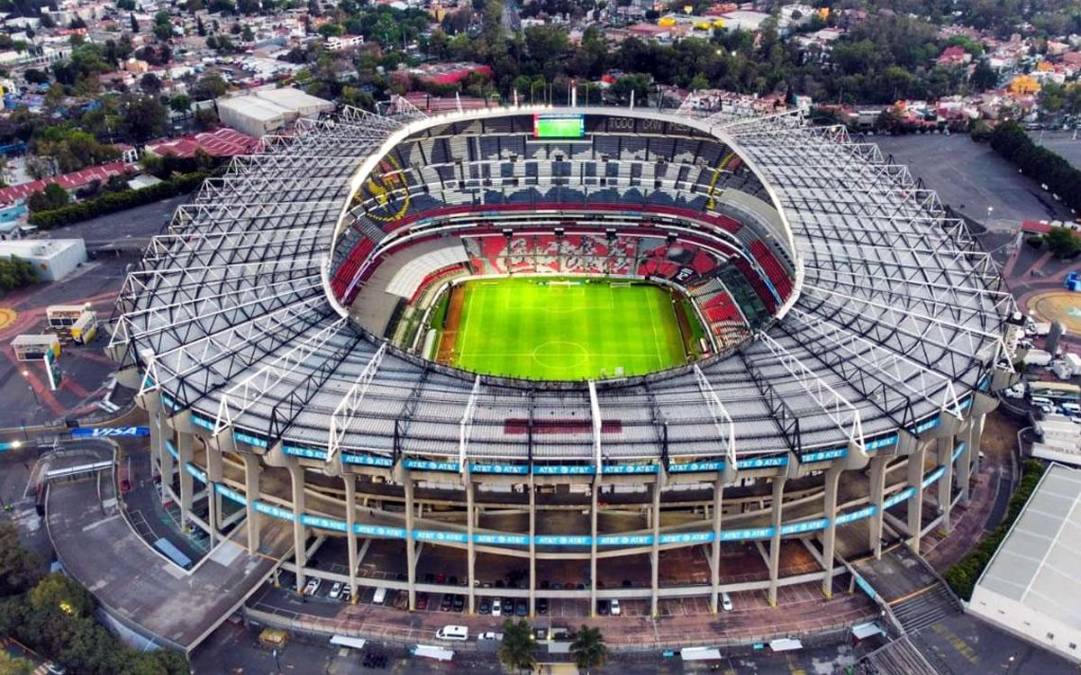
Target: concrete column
(915, 502)
(351, 530)
(470, 551)
(410, 545)
(296, 479)
(976, 439)
(157, 442)
(593, 547)
(944, 451)
(532, 547)
(829, 535)
(964, 462)
(159, 455)
(184, 448)
(715, 557)
(655, 552)
(214, 476)
(252, 470)
(776, 512)
(878, 497)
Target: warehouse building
(1033, 582)
(265, 111)
(53, 259)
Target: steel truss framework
(898, 318)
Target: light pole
(990, 209)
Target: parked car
(497, 607)
(615, 608)
(312, 587)
(726, 602)
(485, 606)
(459, 603)
(422, 601)
(489, 635)
(542, 606)
(604, 608)
(447, 603)
(521, 608)
(336, 590)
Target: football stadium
(577, 354)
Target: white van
(460, 633)
(1071, 408)
(1040, 401)
(380, 596)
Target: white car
(489, 635)
(615, 608)
(726, 602)
(312, 587)
(336, 590)
(497, 607)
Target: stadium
(582, 353)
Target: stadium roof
(897, 320)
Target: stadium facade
(855, 336)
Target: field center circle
(560, 359)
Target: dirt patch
(449, 339)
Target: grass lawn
(546, 328)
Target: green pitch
(566, 329)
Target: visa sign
(109, 432)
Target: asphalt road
(132, 227)
(971, 177)
(1065, 143)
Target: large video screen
(559, 126)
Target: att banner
(109, 432)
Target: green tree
(19, 567)
(589, 649)
(13, 665)
(516, 650)
(142, 117)
(52, 197)
(1063, 242)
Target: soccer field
(562, 329)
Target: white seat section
(409, 276)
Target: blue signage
(109, 432)
(366, 460)
(823, 455)
(250, 439)
(695, 467)
(880, 443)
(300, 451)
(200, 421)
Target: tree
(142, 117)
(211, 85)
(199, 27)
(52, 197)
(19, 567)
(516, 650)
(983, 77)
(589, 649)
(150, 83)
(134, 23)
(181, 104)
(1063, 242)
(35, 76)
(13, 665)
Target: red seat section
(344, 276)
(776, 273)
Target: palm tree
(517, 649)
(589, 649)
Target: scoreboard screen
(559, 126)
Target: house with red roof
(69, 181)
(953, 56)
